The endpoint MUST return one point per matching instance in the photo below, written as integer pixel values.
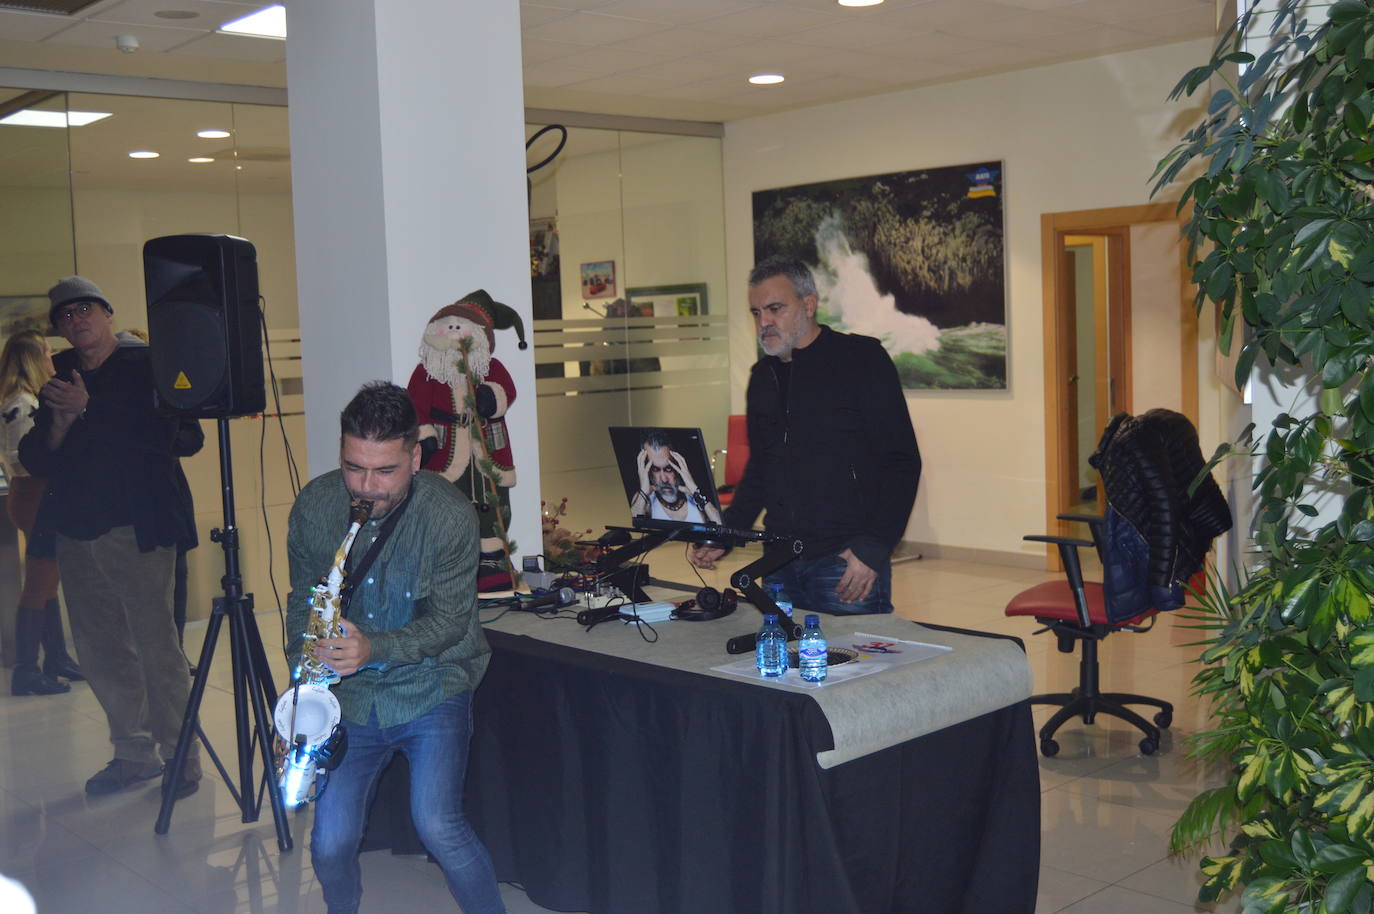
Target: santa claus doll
(461, 393)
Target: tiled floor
(1107, 810)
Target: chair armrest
(1073, 570)
(1082, 518)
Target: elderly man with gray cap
(113, 501)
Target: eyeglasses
(80, 309)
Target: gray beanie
(74, 288)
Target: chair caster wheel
(1163, 719)
(1049, 748)
(1148, 746)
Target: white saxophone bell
(316, 716)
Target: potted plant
(1281, 237)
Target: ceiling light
(859, 2)
(32, 117)
(143, 154)
(200, 160)
(265, 23)
(766, 79)
(212, 134)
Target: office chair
(1154, 536)
(736, 453)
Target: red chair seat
(1054, 600)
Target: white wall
(1156, 339)
(1080, 135)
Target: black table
(614, 786)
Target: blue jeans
(810, 582)
(436, 745)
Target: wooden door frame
(1058, 329)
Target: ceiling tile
(539, 50)
(531, 16)
(1017, 27)
(933, 44)
(675, 12)
(905, 72)
(598, 63)
(679, 42)
(102, 34)
(570, 5)
(856, 35)
(555, 73)
(638, 83)
(685, 69)
(236, 47)
(1201, 13)
(593, 29)
(1176, 26)
(769, 20)
(206, 15)
(1098, 39)
(30, 26)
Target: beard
(780, 343)
(442, 355)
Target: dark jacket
(1158, 534)
(837, 464)
(117, 465)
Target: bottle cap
(770, 618)
(813, 619)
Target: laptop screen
(667, 476)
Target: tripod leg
(242, 733)
(188, 721)
(256, 680)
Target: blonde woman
(25, 364)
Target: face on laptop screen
(666, 474)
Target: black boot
(57, 663)
(28, 678)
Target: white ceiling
(664, 58)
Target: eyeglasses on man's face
(69, 313)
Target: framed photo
(543, 249)
(913, 258)
(598, 279)
(686, 300)
(23, 312)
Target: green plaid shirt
(417, 604)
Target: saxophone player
(410, 650)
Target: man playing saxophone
(410, 649)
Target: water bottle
(783, 601)
(770, 648)
(811, 650)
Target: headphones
(709, 604)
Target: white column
(408, 171)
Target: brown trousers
(120, 604)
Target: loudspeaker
(204, 325)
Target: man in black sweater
(832, 456)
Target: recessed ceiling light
(859, 2)
(32, 117)
(200, 160)
(176, 14)
(143, 154)
(265, 23)
(766, 79)
(212, 134)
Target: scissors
(878, 647)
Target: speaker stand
(252, 683)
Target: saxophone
(309, 741)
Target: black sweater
(837, 464)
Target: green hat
(481, 308)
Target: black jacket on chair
(1159, 534)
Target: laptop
(667, 478)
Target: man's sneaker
(120, 774)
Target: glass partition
(636, 331)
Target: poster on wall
(686, 300)
(913, 258)
(23, 312)
(598, 279)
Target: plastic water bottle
(811, 650)
(784, 602)
(770, 648)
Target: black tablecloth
(619, 787)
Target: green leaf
(1340, 891)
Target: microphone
(590, 617)
(563, 596)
